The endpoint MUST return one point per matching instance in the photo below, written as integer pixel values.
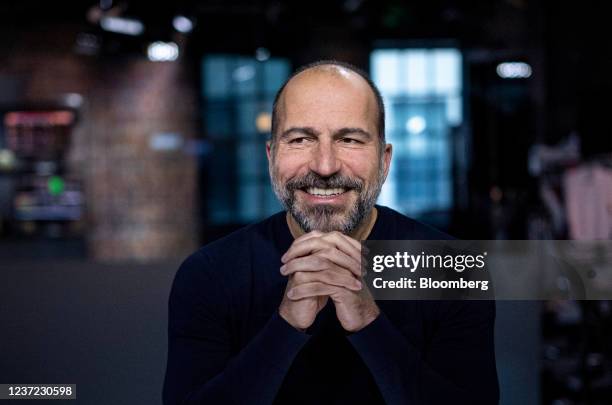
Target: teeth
(324, 191)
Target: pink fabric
(588, 196)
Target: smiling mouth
(324, 192)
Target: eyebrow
(345, 131)
(301, 130)
(313, 132)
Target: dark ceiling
(288, 24)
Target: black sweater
(228, 345)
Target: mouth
(323, 195)
(324, 192)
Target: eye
(299, 140)
(351, 141)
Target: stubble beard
(327, 217)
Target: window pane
(236, 90)
(454, 110)
(216, 81)
(244, 77)
(447, 77)
(218, 119)
(415, 73)
(275, 73)
(385, 70)
(422, 93)
(246, 116)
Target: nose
(324, 161)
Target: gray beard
(327, 218)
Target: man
(278, 313)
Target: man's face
(327, 166)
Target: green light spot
(55, 185)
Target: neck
(360, 233)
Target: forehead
(328, 96)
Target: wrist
(369, 316)
(286, 318)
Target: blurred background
(131, 133)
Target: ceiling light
(514, 70)
(182, 24)
(122, 25)
(163, 51)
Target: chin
(332, 225)
(324, 218)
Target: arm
(457, 365)
(202, 367)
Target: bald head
(340, 76)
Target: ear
(388, 152)
(269, 151)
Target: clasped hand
(322, 266)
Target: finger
(345, 243)
(314, 244)
(304, 247)
(314, 289)
(316, 234)
(356, 244)
(322, 260)
(343, 260)
(344, 279)
(306, 263)
(313, 264)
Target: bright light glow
(263, 122)
(163, 51)
(166, 141)
(262, 54)
(182, 24)
(73, 100)
(122, 25)
(514, 70)
(416, 124)
(7, 159)
(243, 73)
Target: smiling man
(328, 157)
(278, 312)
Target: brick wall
(140, 201)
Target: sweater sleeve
(456, 366)
(202, 368)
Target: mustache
(312, 179)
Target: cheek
(287, 166)
(363, 165)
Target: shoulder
(398, 226)
(228, 254)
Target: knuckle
(336, 279)
(329, 251)
(300, 277)
(326, 277)
(290, 267)
(296, 292)
(348, 270)
(320, 261)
